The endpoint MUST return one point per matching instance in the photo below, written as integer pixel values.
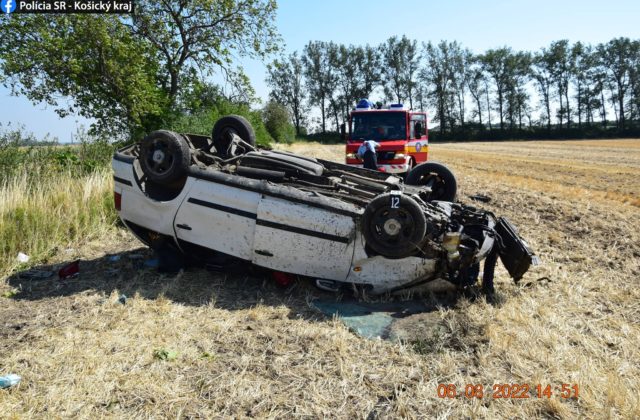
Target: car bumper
(388, 168)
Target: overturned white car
(201, 196)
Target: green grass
(51, 195)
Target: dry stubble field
(248, 349)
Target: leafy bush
(202, 121)
(278, 122)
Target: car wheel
(436, 176)
(231, 124)
(394, 225)
(164, 156)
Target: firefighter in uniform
(367, 152)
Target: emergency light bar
(365, 104)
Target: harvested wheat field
(203, 344)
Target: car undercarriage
(339, 225)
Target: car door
(220, 217)
(298, 238)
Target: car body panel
(218, 217)
(384, 274)
(139, 208)
(297, 238)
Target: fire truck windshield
(378, 126)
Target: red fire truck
(402, 135)
(404, 145)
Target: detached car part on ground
(204, 197)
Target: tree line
(154, 68)
(563, 89)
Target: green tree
(204, 33)
(518, 69)
(476, 83)
(369, 70)
(617, 56)
(127, 71)
(320, 75)
(356, 76)
(437, 75)
(634, 74)
(278, 122)
(285, 77)
(560, 55)
(460, 74)
(107, 72)
(593, 90)
(495, 64)
(542, 72)
(508, 70)
(400, 65)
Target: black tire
(394, 229)
(444, 186)
(164, 156)
(231, 124)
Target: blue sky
(478, 25)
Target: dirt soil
(207, 344)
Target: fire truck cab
(401, 133)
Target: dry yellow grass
(248, 349)
(43, 212)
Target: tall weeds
(37, 217)
(51, 196)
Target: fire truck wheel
(437, 176)
(394, 225)
(164, 156)
(231, 124)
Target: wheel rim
(393, 228)
(158, 157)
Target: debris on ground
(70, 270)
(480, 197)
(122, 299)
(373, 320)
(22, 257)
(164, 354)
(282, 279)
(10, 380)
(114, 258)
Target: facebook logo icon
(8, 6)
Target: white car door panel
(152, 214)
(219, 217)
(298, 238)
